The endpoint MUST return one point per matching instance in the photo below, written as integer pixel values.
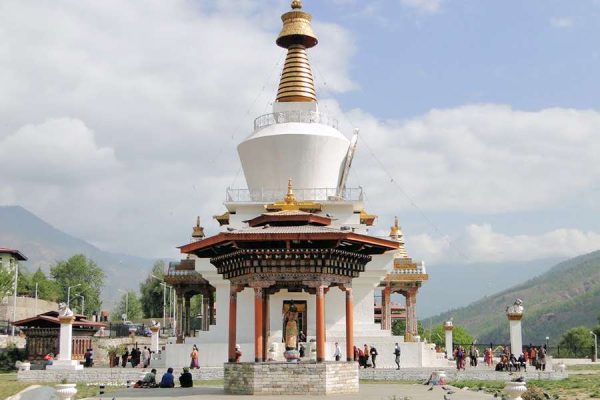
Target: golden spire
(396, 234)
(289, 197)
(296, 83)
(198, 231)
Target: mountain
(566, 296)
(44, 245)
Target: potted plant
(66, 391)
(114, 351)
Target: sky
(479, 120)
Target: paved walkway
(367, 392)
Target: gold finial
(198, 231)
(289, 197)
(396, 228)
(396, 234)
(296, 83)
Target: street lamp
(15, 297)
(69, 293)
(126, 303)
(82, 303)
(164, 285)
(547, 339)
(595, 346)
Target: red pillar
(258, 325)
(265, 324)
(232, 322)
(320, 324)
(349, 326)
(386, 309)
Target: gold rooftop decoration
(396, 234)
(198, 231)
(296, 83)
(289, 203)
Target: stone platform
(114, 376)
(282, 378)
(476, 374)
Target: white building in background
(297, 142)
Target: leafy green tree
(438, 336)
(47, 288)
(7, 277)
(79, 270)
(577, 342)
(152, 292)
(399, 327)
(24, 282)
(128, 304)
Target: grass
(580, 387)
(584, 367)
(9, 385)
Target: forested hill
(566, 296)
(43, 245)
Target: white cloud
(479, 158)
(58, 151)
(480, 243)
(427, 6)
(561, 22)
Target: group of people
(460, 355)
(167, 380)
(361, 355)
(137, 358)
(533, 356)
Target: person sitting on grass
(522, 362)
(148, 381)
(185, 380)
(168, 380)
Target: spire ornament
(397, 235)
(296, 83)
(197, 231)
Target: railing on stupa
(308, 117)
(309, 194)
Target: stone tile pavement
(368, 391)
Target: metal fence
(301, 194)
(294, 116)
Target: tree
(128, 304)
(7, 277)
(437, 335)
(152, 291)
(81, 271)
(23, 282)
(577, 342)
(47, 288)
(399, 327)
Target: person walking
(374, 355)
(397, 354)
(366, 352)
(194, 355)
(144, 357)
(125, 358)
(338, 353)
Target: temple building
(296, 238)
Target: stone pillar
(155, 336)
(448, 327)
(386, 308)
(266, 324)
(66, 346)
(188, 317)
(411, 315)
(349, 326)
(320, 315)
(180, 318)
(205, 313)
(514, 314)
(258, 325)
(211, 309)
(232, 323)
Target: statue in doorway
(291, 327)
(291, 334)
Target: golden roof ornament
(289, 203)
(396, 234)
(296, 83)
(198, 231)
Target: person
(185, 380)
(374, 355)
(366, 353)
(338, 353)
(361, 358)
(194, 356)
(89, 358)
(148, 381)
(148, 357)
(125, 358)
(542, 358)
(144, 357)
(522, 362)
(302, 350)
(533, 357)
(513, 363)
(167, 381)
(488, 357)
(397, 354)
(49, 358)
(135, 357)
(238, 353)
(473, 355)
(355, 353)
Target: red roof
(50, 318)
(16, 253)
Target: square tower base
(282, 378)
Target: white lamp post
(15, 297)
(82, 303)
(69, 294)
(164, 285)
(595, 346)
